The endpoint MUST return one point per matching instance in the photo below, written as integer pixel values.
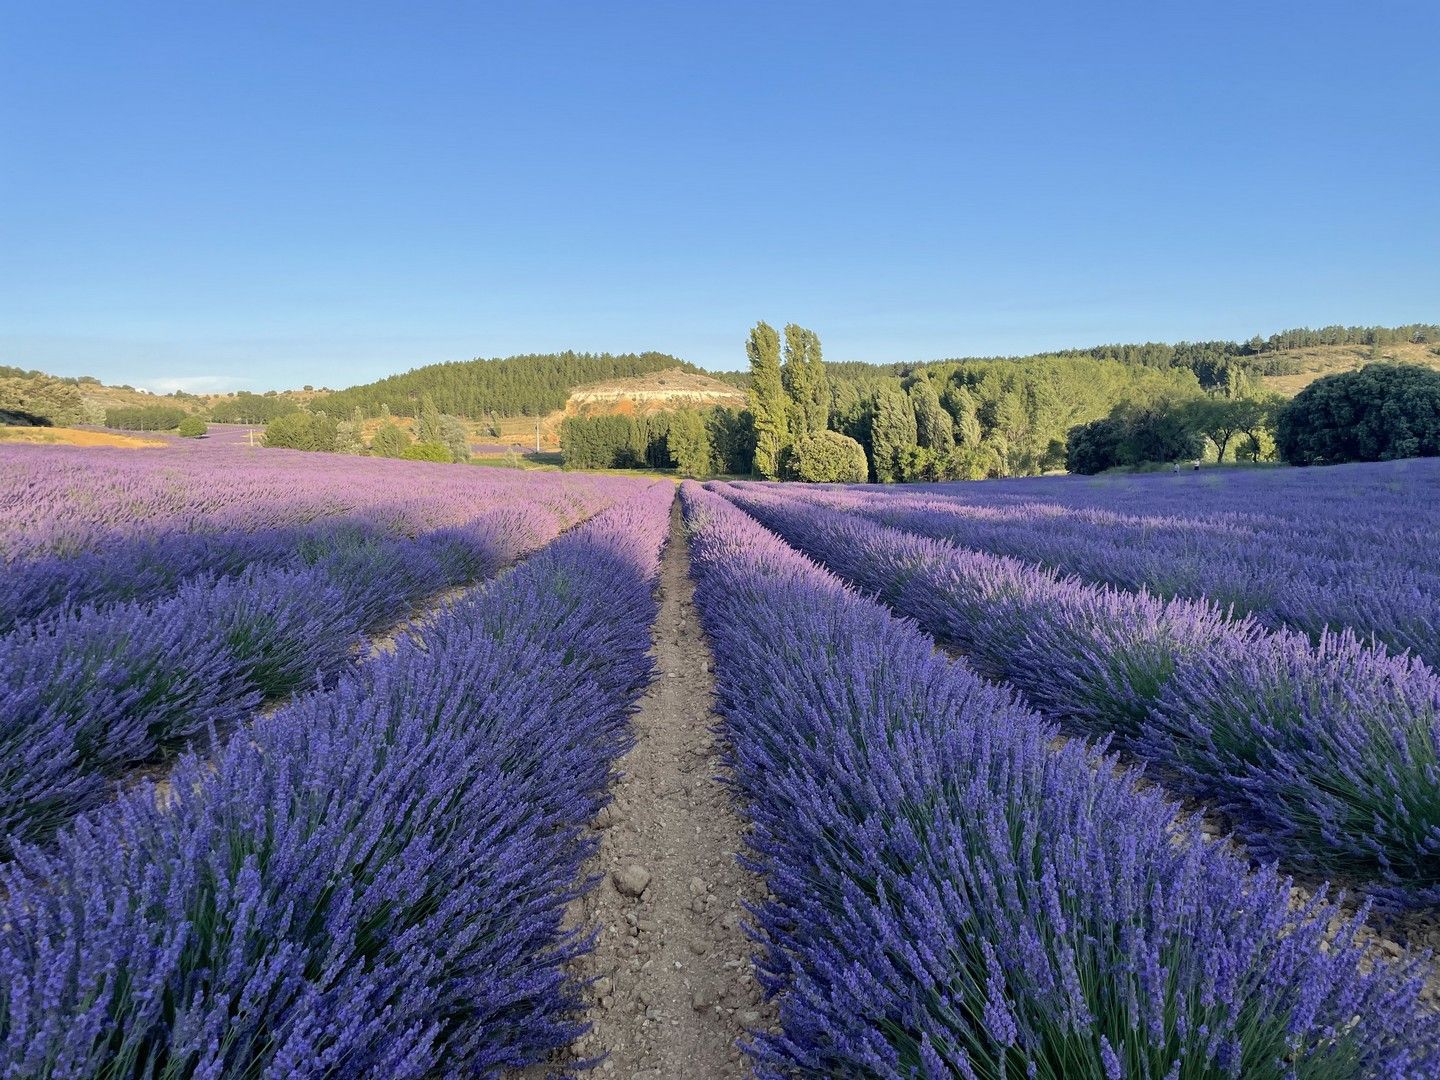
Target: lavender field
(331, 766)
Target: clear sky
(262, 194)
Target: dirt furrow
(673, 989)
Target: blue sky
(268, 194)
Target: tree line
(437, 436)
(1382, 412)
(809, 420)
(1215, 364)
(243, 407)
(693, 442)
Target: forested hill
(1213, 362)
(531, 385)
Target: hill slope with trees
(531, 385)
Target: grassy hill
(1320, 360)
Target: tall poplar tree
(892, 434)
(819, 386)
(933, 426)
(427, 426)
(768, 401)
(805, 383)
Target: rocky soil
(673, 991)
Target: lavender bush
(1323, 755)
(372, 883)
(952, 897)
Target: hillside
(655, 392)
(532, 385)
(660, 391)
(1316, 361)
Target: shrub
(426, 451)
(302, 431)
(828, 457)
(192, 427)
(1379, 413)
(389, 440)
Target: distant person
(1197, 464)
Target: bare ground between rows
(672, 988)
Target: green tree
(892, 434)
(1158, 432)
(921, 464)
(1380, 413)
(347, 438)
(827, 457)
(192, 427)
(302, 431)
(803, 376)
(451, 433)
(934, 428)
(427, 421)
(689, 443)
(732, 436)
(1218, 419)
(1257, 414)
(1094, 447)
(769, 403)
(389, 440)
(604, 442)
(973, 461)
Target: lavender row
(1325, 757)
(90, 693)
(373, 883)
(144, 570)
(952, 897)
(1281, 574)
(65, 500)
(1282, 546)
(1312, 508)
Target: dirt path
(673, 989)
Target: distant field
(56, 436)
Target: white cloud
(198, 384)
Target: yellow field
(59, 436)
